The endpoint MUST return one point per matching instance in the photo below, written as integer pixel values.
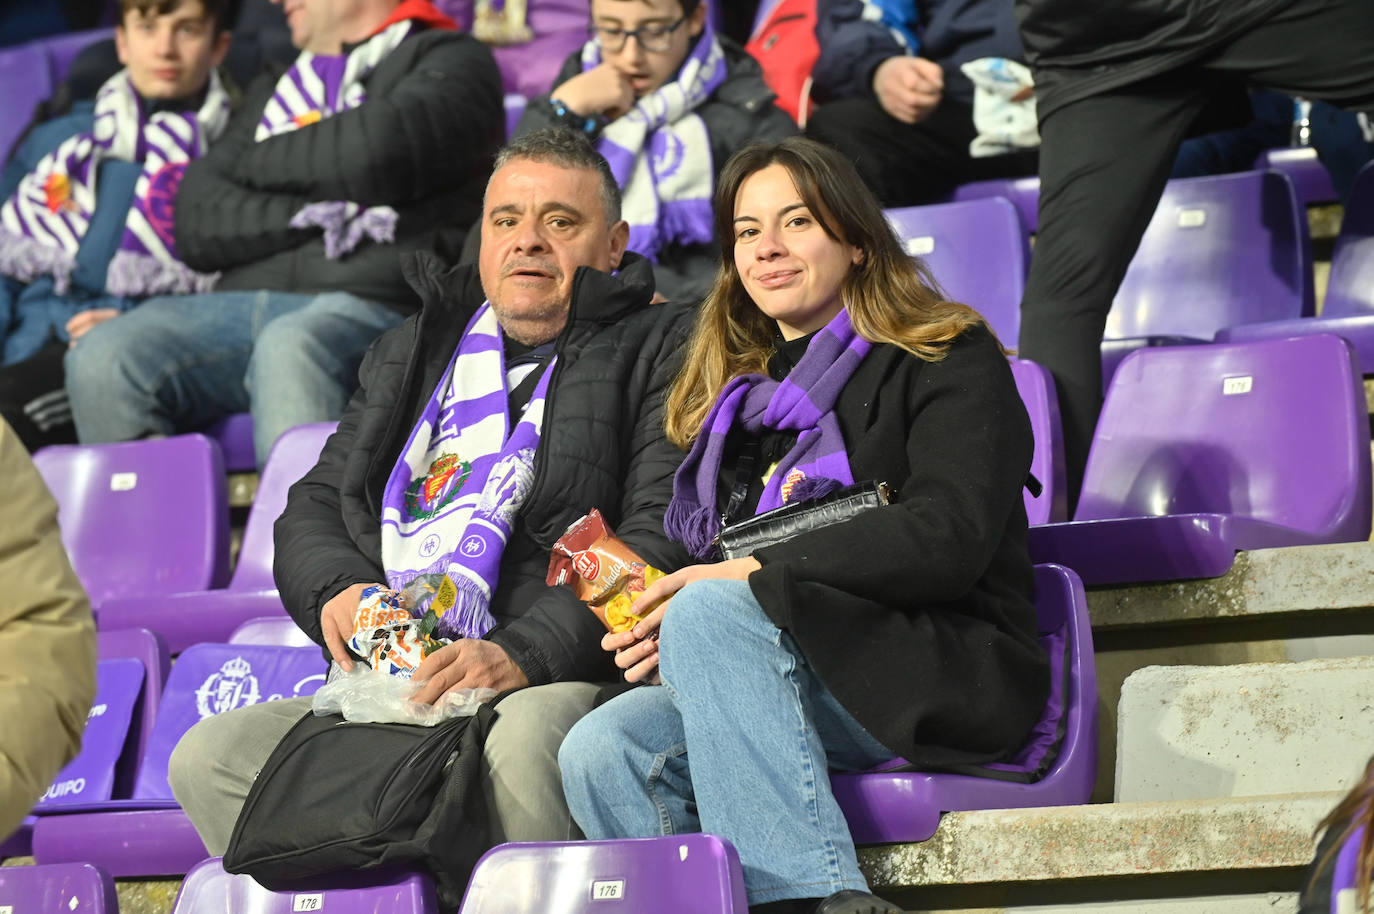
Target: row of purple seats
(29, 73)
(146, 526)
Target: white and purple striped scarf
(43, 223)
(452, 499)
(660, 153)
(318, 86)
(803, 402)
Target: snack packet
(389, 635)
(602, 570)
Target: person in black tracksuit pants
(1119, 85)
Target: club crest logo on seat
(427, 495)
(233, 686)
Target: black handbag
(753, 533)
(336, 796)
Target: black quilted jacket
(421, 143)
(602, 447)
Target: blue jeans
(737, 742)
(180, 363)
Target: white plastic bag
(1003, 106)
(363, 695)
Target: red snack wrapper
(600, 568)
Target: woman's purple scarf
(803, 402)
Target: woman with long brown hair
(1347, 830)
(823, 356)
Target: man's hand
(599, 91)
(636, 651)
(468, 663)
(336, 623)
(79, 324)
(908, 88)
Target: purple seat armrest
(187, 618)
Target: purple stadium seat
(24, 82)
(560, 28)
(1343, 877)
(148, 834)
(188, 617)
(62, 50)
(977, 251)
(1036, 386)
(1024, 194)
(1220, 250)
(515, 106)
(761, 15)
(889, 805)
(1311, 180)
(141, 517)
(20, 843)
(234, 435)
(281, 630)
(1204, 450)
(150, 649)
(208, 889)
(1349, 307)
(90, 777)
(60, 888)
(679, 874)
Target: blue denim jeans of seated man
(180, 363)
(736, 743)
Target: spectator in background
(84, 227)
(893, 99)
(375, 143)
(668, 101)
(1119, 84)
(46, 631)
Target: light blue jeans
(180, 363)
(736, 742)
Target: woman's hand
(636, 650)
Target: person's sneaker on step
(849, 901)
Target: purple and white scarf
(43, 223)
(660, 153)
(318, 86)
(452, 499)
(803, 402)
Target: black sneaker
(852, 901)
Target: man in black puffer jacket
(593, 353)
(668, 102)
(377, 142)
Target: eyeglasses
(650, 37)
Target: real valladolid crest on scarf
(452, 499)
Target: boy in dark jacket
(376, 142)
(83, 233)
(667, 101)
(568, 364)
(894, 100)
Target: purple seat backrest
(679, 874)
(560, 28)
(234, 435)
(69, 888)
(1024, 194)
(210, 679)
(1230, 428)
(1221, 250)
(1311, 180)
(24, 82)
(90, 777)
(208, 889)
(62, 50)
(296, 451)
(150, 649)
(281, 630)
(976, 250)
(1343, 876)
(1350, 288)
(141, 517)
(761, 15)
(1036, 386)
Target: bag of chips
(602, 570)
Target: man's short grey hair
(566, 149)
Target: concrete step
(1210, 856)
(1193, 732)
